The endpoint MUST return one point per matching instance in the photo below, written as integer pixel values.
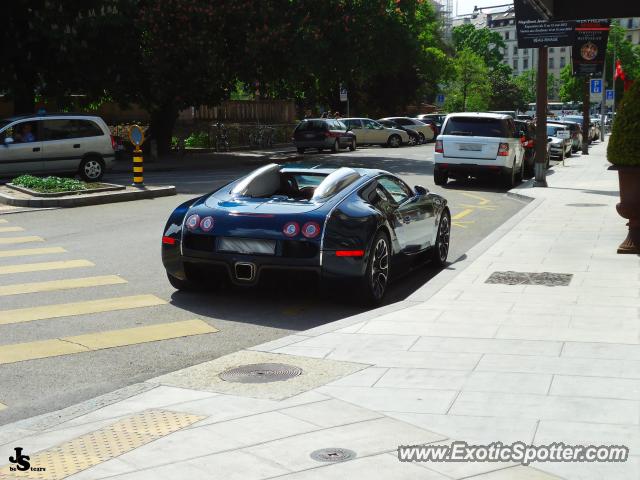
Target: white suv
(56, 143)
(477, 144)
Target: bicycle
(222, 138)
(261, 137)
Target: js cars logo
(21, 460)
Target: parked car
(576, 133)
(527, 131)
(524, 117)
(323, 134)
(357, 227)
(414, 137)
(56, 143)
(370, 132)
(560, 140)
(592, 134)
(426, 131)
(437, 118)
(478, 143)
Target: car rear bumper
(472, 169)
(323, 143)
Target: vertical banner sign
(590, 46)
(343, 93)
(533, 31)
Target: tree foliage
(483, 42)
(470, 88)
(506, 94)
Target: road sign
(596, 85)
(343, 94)
(136, 135)
(532, 31)
(440, 99)
(610, 95)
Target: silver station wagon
(56, 143)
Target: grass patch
(52, 184)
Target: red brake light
(206, 224)
(168, 240)
(349, 253)
(291, 229)
(193, 221)
(114, 144)
(439, 146)
(311, 229)
(503, 150)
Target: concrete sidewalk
(461, 359)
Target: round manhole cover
(333, 455)
(586, 204)
(261, 373)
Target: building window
(551, 50)
(630, 23)
(506, 35)
(563, 49)
(515, 64)
(563, 62)
(515, 50)
(552, 63)
(525, 63)
(629, 37)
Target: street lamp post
(586, 105)
(540, 164)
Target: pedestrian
(324, 115)
(337, 115)
(27, 135)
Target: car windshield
(553, 131)
(475, 127)
(311, 126)
(335, 182)
(4, 123)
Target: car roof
(357, 118)
(497, 116)
(40, 116)
(364, 172)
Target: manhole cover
(525, 278)
(333, 455)
(261, 373)
(586, 204)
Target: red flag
(619, 73)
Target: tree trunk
(162, 122)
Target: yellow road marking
(483, 201)
(65, 284)
(11, 240)
(11, 229)
(26, 252)
(39, 267)
(462, 224)
(44, 312)
(462, 214)
(2, 406)
(479, 207)
(21, 352)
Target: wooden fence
(248, 111)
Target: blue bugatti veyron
(360, 226)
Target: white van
(56, 143)
(478, 144)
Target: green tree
(526, 81)
(483, 42)
(470, 87)
(626, 52)
(506, 94)
(572, 89)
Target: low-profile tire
(376, 276)
(394, 141)
(440, 177)
(352, 146)
(440, 250)
(182, 285)
(423, 140)
(91, 169)
(335, 148)
(301, 150)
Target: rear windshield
(552, 131)
(476, 127)
(312, 126)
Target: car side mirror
(8, 141)
(420, 190)
(549, 139)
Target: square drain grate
(527, 278)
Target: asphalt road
(113, 252)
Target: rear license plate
(470, 147)
(247, 246)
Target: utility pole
(540, 165)
(613, 80)
(586, 105)
(603, 102)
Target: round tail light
(206, 224)
(192, 222)
(291, 229)
(311, 229)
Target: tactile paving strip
(96, 447)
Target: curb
(91, 199)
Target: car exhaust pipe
(245, 271)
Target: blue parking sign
(440, 98)
(596, 85)
(610, 95)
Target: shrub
(624, 144)
(49, 184)
(197, 140)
